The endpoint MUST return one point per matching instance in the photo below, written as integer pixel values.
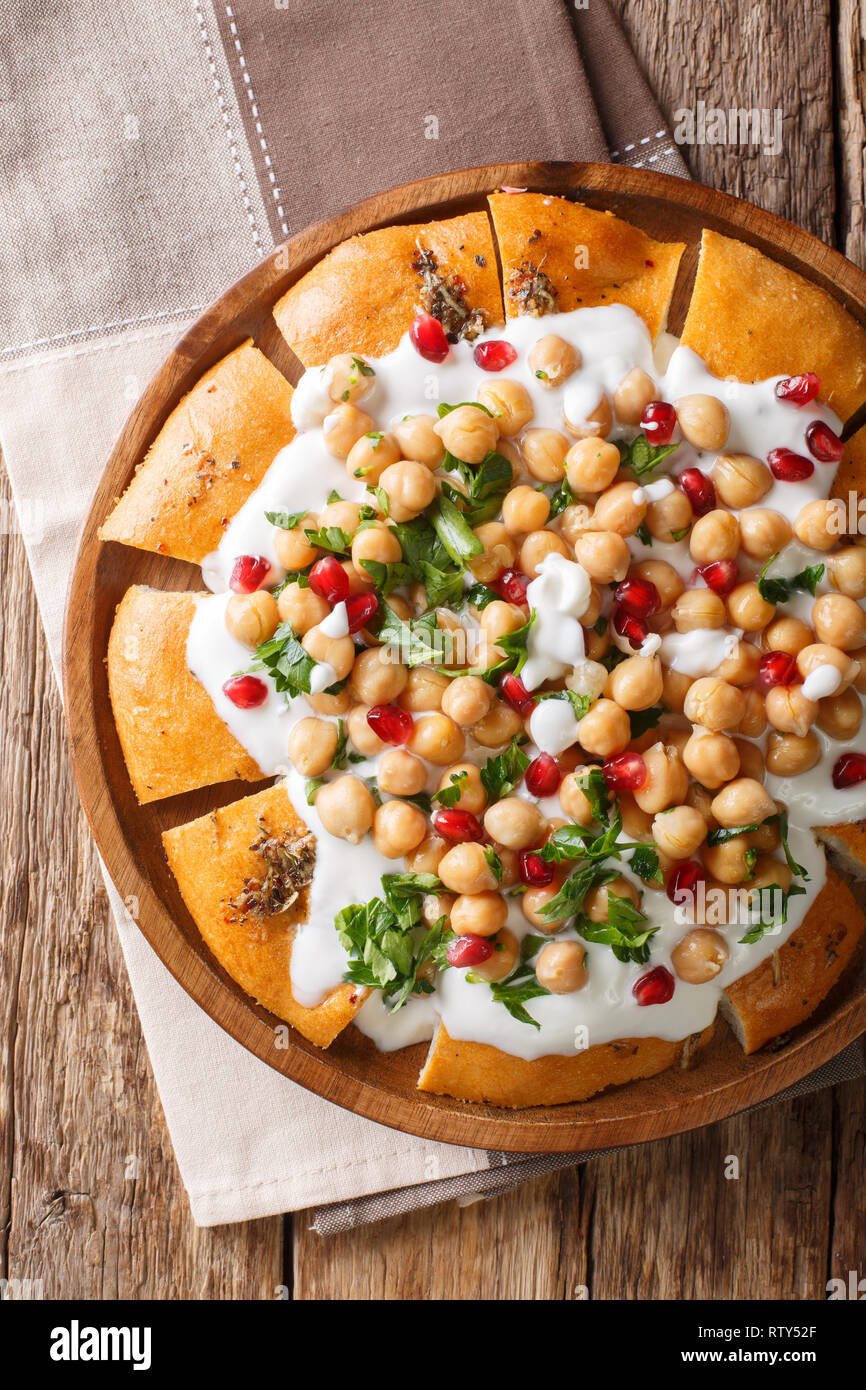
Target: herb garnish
(418, 640)
(779, 590)
(450, 795)
(289, 861)
(642, 457)
(288, 662)
(500, 775)
(443, 296)
(388, 947)
(287, 521)
(520, 986)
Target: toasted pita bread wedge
(213, 859)
(365, 293)
(477, 1072)
(789, 985)
(172, 738)
(589, 257)
(848, 843)
(211, 453)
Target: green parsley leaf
(625, 931)
(430, 562)
(570, 898)
(723, 834)
(561, 498)
(580, 704)
(445, 409)
(795, 868)
(286, 660)
(454, 531)
(520, 986)
(419, 641)
(681, 533)
(480, 595)
(360, 368)
(643, 719)
(287, 521)
(382, 498)
(643, 534)
(332, 538)
(450, 795)
(642, 457)
(334, 496)
(493, 860)
(764, 904)
(500, 775)
(385, 940)
(596, 791)
(338, 762)
(645, 863)
(486, 485)
(779, 590)
(388, 577)
(311, 786)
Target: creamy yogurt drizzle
(612, 340)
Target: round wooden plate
(352, 1073)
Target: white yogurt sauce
(559, 597)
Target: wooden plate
(352, 1073)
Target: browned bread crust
(364, 294)
(211, 858)
(617, 263)
(172, 738)
(211, 453)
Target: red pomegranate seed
(360, 608)
(515, 692)
(329, 580)
(624, 772)
(799, 390)
(248, 573)
(247, 692)
(789, 467)
(457, 827)
(823, 444)
(390, 723)
(639, 597)
(469, 950)
(777, 668)
(512, 585)
(720, 575)
(534, 871)
(634, 630)
(428, 338)
(849, 770)
(492, 357)
(543, 776)
(655, 987)
(699, 490)
(683, 879)
(658, 422)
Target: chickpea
(596, 902)
(524, 510)
(704, 420)
(509, 403)
(498, 553)
(788, 709)
(417, 439)
(376, 678)
(410, 487)
(633, 395)
(840, 716)
(747, 609)
(292, 548)
(675, 688)
(533, 903)
(616, 510)
(698, 608)
(679, 832)
(472, 796)
(359, 580)
(401, 774)
(754, 720)
(302, 608)
(740, 480)
(468, 432)
(604, 555)
(312, 745)
(377, 542)
(398, 827)
(787, 635)
(498, 727)
(858, 656)
(766, 837)
(479, 914)
(818, 654)
(605, 729)
(789, 754)
(751, 759)
(699, 956)
(252, 618)
(591, 465)
(701, 801)
(839, 621)
(573, 799)
(329, 704)
(730, 862)
(426, 857)
(424, 689)
(371, 454)
(344, 427)
(552, 360)
(436, 905)
(595, 645)
(438, 739)
(349, 378)
(464, 869)
(338, 652)
(712, 759)
(467, 699)
(346, 808)
(667, 518)
(346, 515)
(504, 957)
(636, 683)
(592, 612)
(763, 532)
(582, 423)
(741, 667)
(769, 871)
(846, 571)
(667, 780)
(575, 521)
(714, 704)
(499, 618)
(743, 802)
(819, 525)
(545, 452)
(715, 536)
(514, 823)
(560, 967)
(665, 578)
(537, 546)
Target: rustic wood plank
(851, 128)
(847, 1232)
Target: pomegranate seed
(777, 668)
(634, 630)
(683, 879)
(492, 357)
(624, 772)
(469, 950)
(360, 608)
(543, 776)
(391, 724)
(719, 575)
(458, 826)
(428, 338)
(534, 871)
(799, 390)
(789, 467)
(655, 987)
(248, 573)
(512, 585)
(658, 422)
(515, 692)
(247, 692)
(699, 490)
(823, 444)
(849, 770)
(329, 580)
(639, 597)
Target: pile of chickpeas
(707, 760)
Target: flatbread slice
(477, 1072)
(589, 257)
(789, 985)
(172, 738)
(211, 858)
(364, 294)
(211, 453)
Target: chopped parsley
(450, 795)
(418, 640)
(332, 538)
(286, 660)
(642, 457)
(500, 775)
(287, 521)
(779, 590)
(387, 943)
(520, 986)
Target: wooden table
(91, 1200)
